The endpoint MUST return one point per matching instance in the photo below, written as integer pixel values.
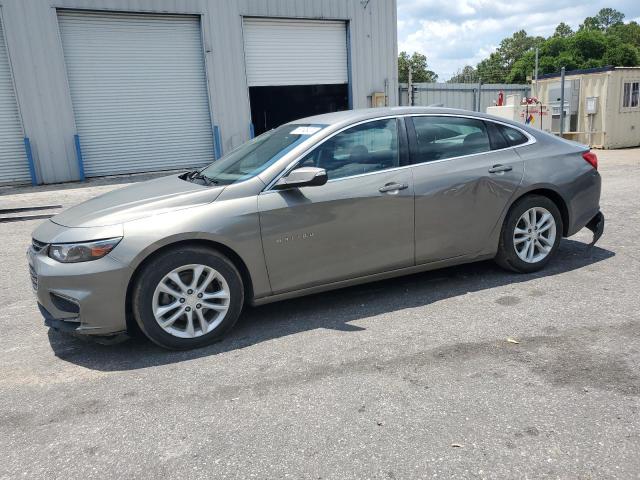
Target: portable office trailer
(103, 87)
(608, 105)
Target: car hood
(143, 199)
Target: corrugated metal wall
(460, 95)
(13, 159)
(33, 41)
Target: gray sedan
(321, 203)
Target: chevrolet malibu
(316, 204)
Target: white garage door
(295, 52)
(13, 159)
(139, 91)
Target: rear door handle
(500, 168)
(393, 187)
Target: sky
(455, 33)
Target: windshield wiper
(197, 175)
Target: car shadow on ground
(331, 310)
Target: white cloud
(456, 33)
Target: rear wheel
(530, 234)
(187, 298)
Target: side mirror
(302, 177)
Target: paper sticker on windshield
(306, 130)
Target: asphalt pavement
(466, 372)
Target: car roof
(347, 117)
(338, 120)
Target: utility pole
(535, 74)
(561, 102)
(479, 95)
(410, 87)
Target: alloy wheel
(534, 235)
(191, 301)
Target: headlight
(82, 252)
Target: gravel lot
(408, 378)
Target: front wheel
(187, 298)
(530, 235)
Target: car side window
(446, 137)
(497, 139)
(365, 148)
(513, 136)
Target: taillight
(591, 158)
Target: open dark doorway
(273, 106)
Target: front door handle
(393, 187)
(500, 168)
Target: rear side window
(513, 136)
(498, 140)
(438, 138)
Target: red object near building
(500, 98)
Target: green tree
(590, 23)
(522, 68)
(467, 75)
(593, 63)
(603, 39)
(622, 55)
(497, 67)
(587, 44)
(567, 60)
(604, 19)
(608, 17)
(546, 65)
(563, 30)
(420, 72)
(492, 69)
(552, 47)
(626, 33)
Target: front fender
(232, 223)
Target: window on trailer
(631, 95)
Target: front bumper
(85, 298)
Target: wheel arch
(237, 261)
(555, 197)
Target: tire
(194, 325)
(510, 257)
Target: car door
(360, 222)
(465, 173)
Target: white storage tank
(533, 114)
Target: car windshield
(253, 157)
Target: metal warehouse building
(106, 87)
